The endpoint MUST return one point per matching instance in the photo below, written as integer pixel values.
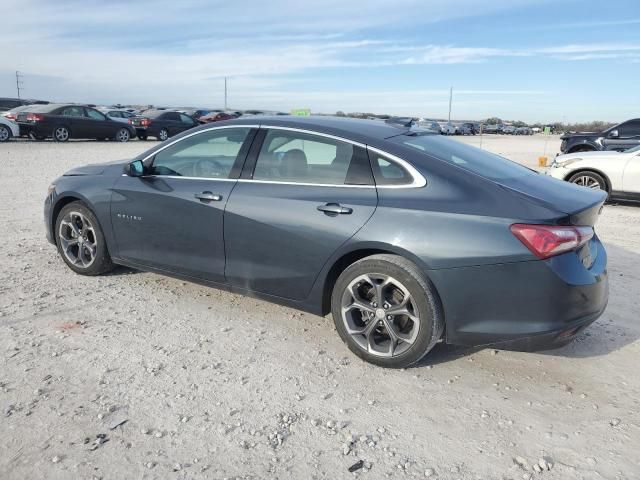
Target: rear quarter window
(472, 159)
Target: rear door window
(73, 112)
(388, 172)
(297, 157)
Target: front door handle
(333, 209)
(208, 197)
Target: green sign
(301, 112)
(547, 130)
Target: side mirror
(135, 169)
(613, 134)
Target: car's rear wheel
(80, 240)
(5, 133)
(163, 135)
(123, 135)
(387, 311)
(589, 180)
(61, 134)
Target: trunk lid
(576, 205)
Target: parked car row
(61, 122)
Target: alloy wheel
(379, 313)
(61, 134)
(163, 135)
(122, 135)
(78, 239)
(587, 181)
(4, 133)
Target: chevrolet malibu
(407, 238)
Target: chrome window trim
(418, 180)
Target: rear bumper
(523, 305)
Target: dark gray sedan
(406, 237)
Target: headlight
(565, 163)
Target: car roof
(50, 107)
(352, 128)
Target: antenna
(19, 82)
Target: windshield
(470, 158)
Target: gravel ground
(134, 375)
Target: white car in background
(116, 114)
(618, 173)
(8, 129)
(448, 129)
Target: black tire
(61, 134)
(163, 134)
(424, 299)
(91, 230)
(589, 179)
(123, 135)
(5, 133)
(142, 137)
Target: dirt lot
(213, 385)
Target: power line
(19, 82)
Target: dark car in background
(66, 121)
(217, 117)
(9, 103)
(196, 113)
(469, 128)
(408, 238)
(161, 124)
(620, 137)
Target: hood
(95, 169)
(586, 155)
(579, 134)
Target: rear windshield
(481, 162)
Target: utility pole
(450, 98)
(225, 93)
(18, 82)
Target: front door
(628, 136)
(172, 217)
(98, 126)
(307, 195)
(631, 175)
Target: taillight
(546, 241)
(34, 117)
(10, 116)
(145, 122)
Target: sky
(536, 61)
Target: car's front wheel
(589, 180)
(123, 135)
(61, 134)
(387, 311)
(80, 240)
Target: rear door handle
(208, 197)
(333, 209)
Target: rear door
(300, 197)
(76, 121)
(172, 217)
